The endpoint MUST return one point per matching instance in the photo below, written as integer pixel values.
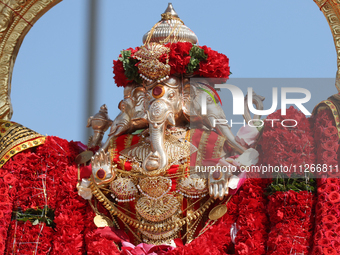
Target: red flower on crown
(184, 58)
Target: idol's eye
(158, 91)
(171, 95)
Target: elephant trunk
(160, 114)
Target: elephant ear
(191, 100)
(189, 95)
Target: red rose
(328, 155)
(179, 57)
(330, 145)
(336, 245)
(119, 73)
(329, 251)
(3, 173)
(330, 235)
(329, 131)
(330, 219)
(334, 197)
(332, 181)
(324, 242)
(216, 65)
(9, 178)
(331, 187)
(318, 236)
(318, 250)
(242, 249)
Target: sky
(262, 39)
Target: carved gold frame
(18, 16)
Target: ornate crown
(169, 48)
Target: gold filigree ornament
(192, 186)
(124, 190)
(157, 210)
(156, 232)
(161, 236)
(154, 187)
(150, 68)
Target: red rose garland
(5, 207)
(327, 230)
(70, 209)
(293, 147)
(119, 71)
(42, 181)
(29, 191)
(291, 220)
(216, 240)
(252, 222)
(290, 212)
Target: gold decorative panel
(331, 10)
(16, 19)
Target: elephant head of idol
(163, 67)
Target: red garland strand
(327, 231)
(216, 240)
(29, 182)
(252, 223)
(291, 217)
(288, 147)
(291, 220)
(45, 177)
(5, 206)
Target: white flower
(83, 189)
(249, 157)
(233, 181)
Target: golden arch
(18, 16)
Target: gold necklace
(114, 211)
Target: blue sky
(263, 39)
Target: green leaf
(297, 183)
(197, 55)
(42, 215)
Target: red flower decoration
(179, 57)
(329, 131)
(334, 197)
(119, 71)
(329, 155)
(330, 145)
(329, 251)
(216, 65)
(9, 179)
(330, 219)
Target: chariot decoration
(152, 162)
(158, 176)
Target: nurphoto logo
(239, 104)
